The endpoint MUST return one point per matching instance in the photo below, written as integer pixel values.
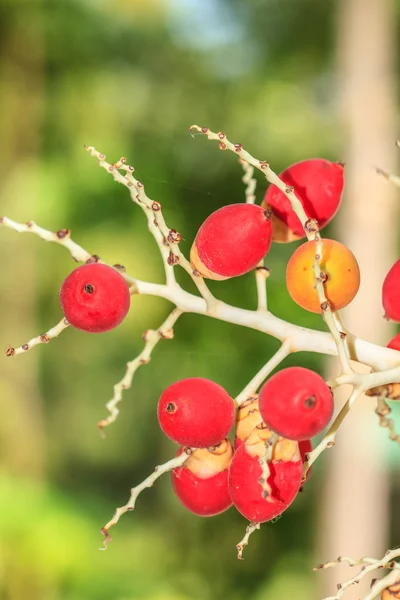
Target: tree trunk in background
(355, 500)
(21, 106)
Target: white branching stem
(352, 562)
(174, 463)
(151, 338)
(368, 565)
(301, 339)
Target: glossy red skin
(318, 183)
(246, 492)
(395, 342)
(282, 403)
(204, 412)
(391, 293)
(234, 239)
(203, 497)
(100, 311)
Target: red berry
(318, 184)
(232, 241)
(95, 298)
(201, 484)
(296, 403)
(286, 468)
(391, 293)
(196, 412)
(395, 342)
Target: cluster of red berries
(231, 242)
(295, 404)
(235, 238)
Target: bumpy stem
(251, 527)
(368, 565)
(166, 238)
(151, 338)
(174, 463)
(262, 272)
(44, 338)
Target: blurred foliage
(130, 77)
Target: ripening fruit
(391, 293)
(247, 417)
(286, 468)
(296, 403)
(232, 241)
(201, 484)
(196, 412)
(95, 298)
(338, 264)
(395, 342)
(318, 184)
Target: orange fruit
(338, 264)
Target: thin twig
(251, 527)
(395, 179)
(44, 338)
(174, 463)
(63, 238)
(369, 565)
(167, 239)
(151, 338)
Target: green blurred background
(130, 77)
